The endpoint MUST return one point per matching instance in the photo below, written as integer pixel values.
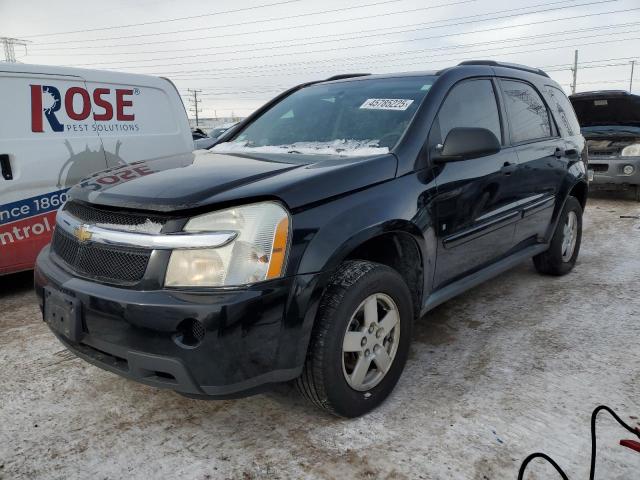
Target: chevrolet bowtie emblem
(82, 234)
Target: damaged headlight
(631, 150)
(257, 253)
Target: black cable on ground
(592, 470)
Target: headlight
(631, 150)
(258, 252)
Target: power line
(435, 23)
(156, 22)
(351, 60)
(306, 52)
(458, 58)
(117, 63)
(235, 34)
(291, 40)
(299, 15)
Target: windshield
(360, 117)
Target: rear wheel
(360, 340)
(565, 244)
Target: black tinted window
(470, 104)
(528, 115)
(565, 116)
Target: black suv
(304, 244)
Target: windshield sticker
(600, 103)
(386, 104)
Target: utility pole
(9, 50)
(633, 63)
(575, 71)
(195, 107)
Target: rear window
(353, 117)
(528, 115)
(563, 110)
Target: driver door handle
(508, 168)
(5, 166)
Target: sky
(240, 54)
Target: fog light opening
(189, 334)
(627, 169)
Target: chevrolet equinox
(302, 246)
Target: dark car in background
(304, 245)
(210, 140)
(610, 122)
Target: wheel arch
(580, 190)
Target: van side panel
(149, 120)
(45, 132)
(60, 125)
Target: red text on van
(46, 102)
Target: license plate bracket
(63, 314)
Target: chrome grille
(101, 262)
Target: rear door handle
(508, 168)
(5, 166)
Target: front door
(475, 203)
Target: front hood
(607, 109)
(204, 178)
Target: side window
(528, 115)
(565, 116)
(471, 103)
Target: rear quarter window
(562, 111)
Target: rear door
(541, 158)
(475, 207)
(47, 144)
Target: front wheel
(360, 341)
(565, 244)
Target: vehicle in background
(610, 121)
(304, 244)
(198, 133)
(214, 134)
(60, 125)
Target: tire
(328, 376)
(556, 260)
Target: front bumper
(608, 171)
(253, 336)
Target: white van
(58, 125)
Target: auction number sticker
(386, 104)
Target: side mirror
(463, 143)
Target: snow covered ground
(511, 367)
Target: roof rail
(345, 75)
(515, 66)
